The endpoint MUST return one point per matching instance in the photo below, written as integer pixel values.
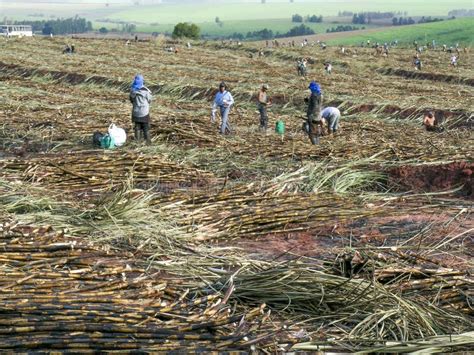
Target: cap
(265, 86)
(222, 85)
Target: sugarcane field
(161, 195)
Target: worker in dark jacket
(140, 97)
(313, 114)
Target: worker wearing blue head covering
(140, 97)
(314, 123)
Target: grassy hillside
(253, 11)
(449, 32)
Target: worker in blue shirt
(224, 102)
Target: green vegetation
(198, 13)
(186, 30)
(449, 32)
(59, 26)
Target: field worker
(263, 102)
(454, 60)
(417, 62)
(331, 116)
(313, 113)
(301, 67)
(328, 67)
(224, 102)
(432, 122)
(140, 97)
(67, 49)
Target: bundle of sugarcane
(412, 272)
(246, 211)
(447, 343)
(58, 292)
(350, 310)
(96, 172)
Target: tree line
(373, 14)
(265, 34)
(344, 28)
(59, 26)
(313, 19)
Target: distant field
(230, 27)
(253, 11)
(247, 17)
(44, 11)
(449, 32)
(200, 13)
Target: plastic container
(280, 127)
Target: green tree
(186, 30)
(296, 18)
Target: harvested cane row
(60, 293)
(456, 118)
(94, 171)
(412, 275)
(247, 212)
(358, 139)
(356, 312)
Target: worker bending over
(331, 116)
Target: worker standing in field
(417, 62)
(263, 102)
(328, 67)
(140, 97)
(313, 114)
(454, 60)
(331, 116)
(224, 102)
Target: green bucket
(280, 127)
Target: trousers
(263, 116)
(225, 126)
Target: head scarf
(138, 82)
(315, 88)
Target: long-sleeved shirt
(314, 105)
(141, 100)
(223, 99)
(330, 112)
